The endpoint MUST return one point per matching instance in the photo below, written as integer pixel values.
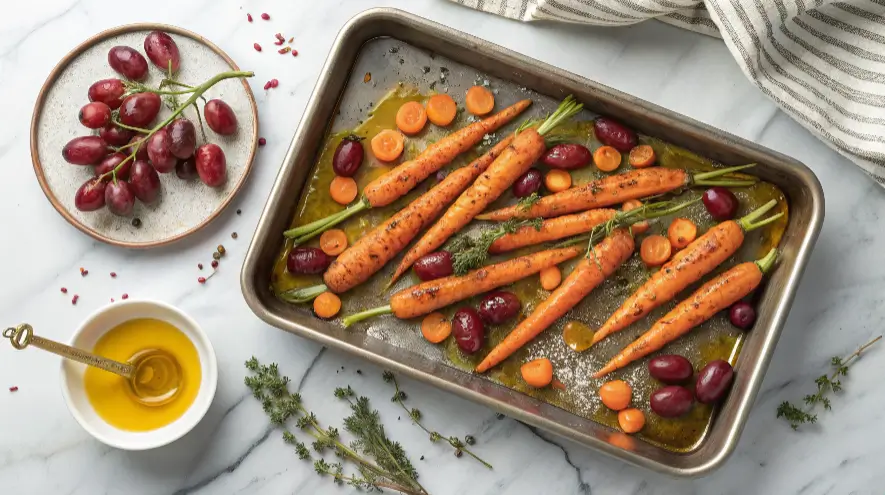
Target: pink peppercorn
(125, 296)
(262, 141)
(113, 274)
(274, 83)
(278, 42)
(267, 85)
(64, 290)
(257, 47)
(112, 299)
(265, 16)
(214, 263)
(280, 37)
(294, 52)
(200, 266)
(74, 299)
(249, 17)
(13, 389)
(201, 280)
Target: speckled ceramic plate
(184, 206)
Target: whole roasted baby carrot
(429, 296)
(552, 229)
(714, 296)
(591, 271)
(616, 189)
(404, 177)
(526, 148)
(687, 267)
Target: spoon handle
(23, 336)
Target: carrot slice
(343, 189)
(326, 305)
(441, 110)
(550, 278)
(655, 250)
(616, 394)
(333, 242)
(537, 373)
(682, 232)
(631, 420)
(388, 145)
(607, 158)
(411, 117)
(642, 156)
(479, 101)
(639, 227)
(436, 327)
(557, 180)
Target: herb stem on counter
(796, 415)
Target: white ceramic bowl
(88, 334)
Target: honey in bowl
(168, 371)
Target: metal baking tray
(324, 114)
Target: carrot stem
(767, 262)
(303, 294)
(365, 315)
(748, 222)
(704, 179)
(566, 110)
(763, 223)
(305, 232)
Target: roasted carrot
(405, 176)
(655, 250)
(388, 145)
(479, 100)
(550, 278)
(681, 232)
(552, 229)
(333, 242)
(714, 296)
(642, 156)
(435, 327)
(607, 158)
(429, 296)
(343, 189)
(327, 305)
(557, 180)
(607, 256)
(373, 250)
(441, 109)
(685, 268)
(526, 148)
(616, 189)
(537, 373)
(639, 227)
(411, 118)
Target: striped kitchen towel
(822, 62)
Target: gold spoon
(154, 376)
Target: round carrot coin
(388, 145)
(479, 101)
(655, 250)
(411, 117)
(436, 327)
(333, 242)
(607, 158)
(550, 278)
(642, 156)
(682, 232)
(343, 189)
(557, 180)
(326, 305)
(441, 110)
(537, 373)
(631, 420)
(616, 394)
(638, 227)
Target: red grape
(183, 138)
(742, 315)
(567, 156)
(95, 115)
(128, 62)
(186, 169)
(90, 196)
(115, 135)
(220, 117)
(159, 152)
(527, 183)
(108, 91)
(85, 150)
(144, 181)
(721, 203)
(161, 49)
(211, 165)
(110, 163)
(140, 149)
(140, 109)
(615, 134)
(119, 197)
(348, 157)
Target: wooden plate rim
(53, 76)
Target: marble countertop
(233, 450)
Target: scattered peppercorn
(221, 250)
(458, 453)
(274, 83)
(74, 299)
(470, 440)
(265, 16)
(267, 85)
(279, 37)
(125, 296)
(422, 457)
(291, 39)
(233, 235)
(261, 142)
(284, 50)
(257, 47)
(64, 290)
(499, 416)
(214, 263)
(367, 77)
(216, 255)
(83, 272)
(249, 17)
(201, 280)
(200, 266)
(136, 222)
(112, 299)
(239, 211)
(359, 372)
(13, 389)
(278, 42)
(294, 52)
(113, 274)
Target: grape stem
(195, 93)
(129, 128)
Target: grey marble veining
(43, 451)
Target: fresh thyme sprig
(796, 415)
(469, 254)
(381, 462)
(526, 203)
(460, 446)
